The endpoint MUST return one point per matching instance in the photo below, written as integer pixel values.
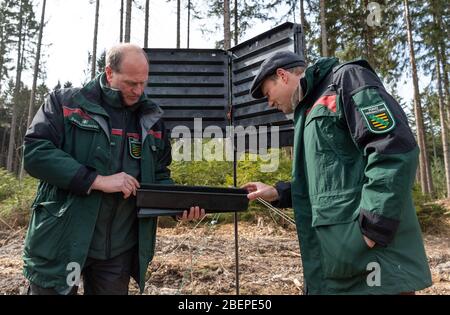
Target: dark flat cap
(280, 59)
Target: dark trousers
(100, 277)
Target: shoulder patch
(374, 110)
(378, 118)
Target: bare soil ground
(202, 261)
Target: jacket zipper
(117, 199)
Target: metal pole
(236, 240)
(233, 142)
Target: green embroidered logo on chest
(84, 123)
(135, 148)
(378, 117)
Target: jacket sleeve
(379, 128)
(164, 159)
(43, 156)
(284, 195)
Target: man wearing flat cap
(354, 167)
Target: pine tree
(94, 43)
(12, 133)
(128, 21)
(101, 62)
(6, 41)
(68, 84)
(36, 65)
(247, 13)
(121, 21)
(424, 166)
(192, 14)
(146, 22)
(323, 29)
(371, 31)
(178, 23)
(25, 31)
(189, 8)
(434, 37)
(444, 129)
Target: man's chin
(131, 102)
(287, 111)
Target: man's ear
(109, 74)
(281, 73)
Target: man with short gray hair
(91, 148)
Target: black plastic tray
(157, 200)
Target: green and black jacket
(76, 135)
(355, 163)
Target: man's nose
(138, 89)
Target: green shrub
(438, 175)
(249, 169)
(16, 198)
(431, 215)
(8, 184)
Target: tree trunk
(36, 66)
(178, 22)
(147, 14)
(425, 180)
(444, 131)
(323, 29)
(3, 160)
(444, 65)
(121, 22)
(444, 103)
(368, 37)
(189, 24)
(302, 25)
(445, 79)
(433, 138)
(94, 44)
(2, 48)
(18, 153)
(12, 140)
(226, 25)
(236, 23)
(128, 21)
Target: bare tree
(302, 25)
(442, 82)
(236, 22)
(323, 29)
(444, 66)
(178, 22)
(189, 23)
(128, 21)
(36, 65)
(368, 37)
(424, 168)
(226, 25)
(94, 44)
(445, 79)
(12, 133)
(147, 14)
(444, 129)
(121, 22)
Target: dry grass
(202, 261)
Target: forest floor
(201, 260)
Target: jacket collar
(113, 97)
(315, 74)
(93, 94)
